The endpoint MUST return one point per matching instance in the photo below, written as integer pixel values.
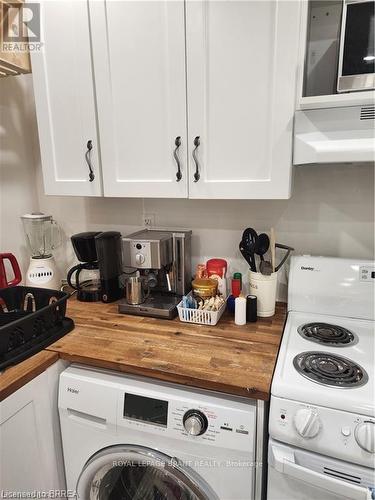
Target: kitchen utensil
(245, 254)
(272, 248)
(262, 246)
(283, 260)
(5, 282)
(265, 267)
(136, 290)
(43, 235)
(247, 246)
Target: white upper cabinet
(241, 71)
(65, 101)
(178, 98)
(139, 64)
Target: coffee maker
(162, 265)
(97, 277)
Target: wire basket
(30, 319)
(199, 317)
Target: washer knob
(139, 258)
(195, 422)
(365, 436)
(307, 422)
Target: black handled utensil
(283, 260)
(262, 246)
(247, 246)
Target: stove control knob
(195, 422)
(139, 259)
(307, 422)
(365, 436)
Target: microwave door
(357, 47)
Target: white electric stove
(322, 411)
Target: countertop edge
(15, 377)
(197, 383)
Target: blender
(43, 235)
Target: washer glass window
(139, 473)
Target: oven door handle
(284, 462)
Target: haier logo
(305, 268)
(71, 389)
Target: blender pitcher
(43, 235)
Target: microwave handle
(284, 462)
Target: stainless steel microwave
(357, 48)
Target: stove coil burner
(329, 369)
(324, 333)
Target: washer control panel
(335, 433)
(367, 273)
(194, 420)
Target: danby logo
(306, 268)
(71, 389)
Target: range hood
(334, 135)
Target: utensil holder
(264, 287)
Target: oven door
(139, 473)
(357, 50)
(295, 474)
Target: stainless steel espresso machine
(162, 260)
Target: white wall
(331, 211)
(18, 194)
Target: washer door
(127, 472)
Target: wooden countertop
(14, 377)
(228, 358)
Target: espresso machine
(162, 272)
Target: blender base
(43, 273)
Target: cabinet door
(139, 63)
(65, 101)
(241, 72)
(30, 449)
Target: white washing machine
(131, 438)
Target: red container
(236, 287)
(217, 267)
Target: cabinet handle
(88, 161)
(197, 175)
(177, 143)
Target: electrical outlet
(149, 220)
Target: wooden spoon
(273, 248)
